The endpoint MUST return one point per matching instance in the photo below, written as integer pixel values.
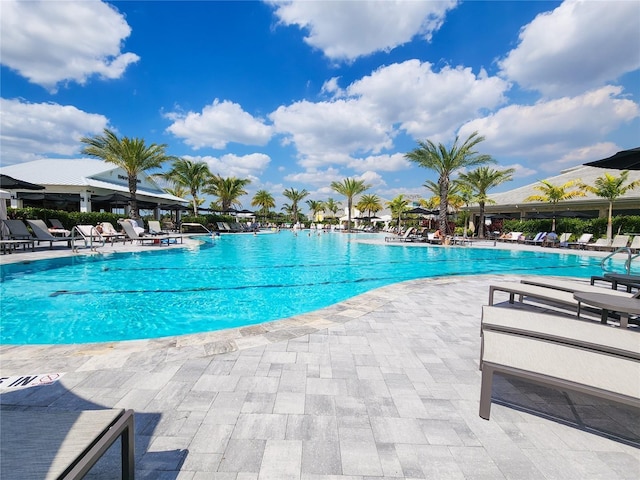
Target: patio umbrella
(11, 183)
(4, 196)
(623, 160)
(422, 211)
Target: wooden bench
(561, 352)
(41, 445)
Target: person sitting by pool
(437, 234)
(550, 240)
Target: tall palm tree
(228, 190)
(481, 180)
(264, 200)
(397, 206)
(370, 204)
(611, 187)
(349, 187)
(332, 206)
(445, 161)
(130, 154)
(555, 193)
(315, 206)
(189, 174)
(296, 197)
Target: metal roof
(582, 173)
(79, 173)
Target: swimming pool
(229, 281)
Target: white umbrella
(4, 196)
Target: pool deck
(384, 385)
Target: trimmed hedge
(577, 226)
(68, 219)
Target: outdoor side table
(624, 306)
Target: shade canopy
(112, 198)
(422, 211)
(11, 183)
(623, 160)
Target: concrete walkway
(385, 385)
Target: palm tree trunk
(133, 186)
(481, 220)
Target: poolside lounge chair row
(91, 235)
(557, 350)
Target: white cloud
(315, 177)
(372, 179)
(217, 125)
(327, 132)
(578, 46)
(551, 130)
(407, 96)
(521, 171)
(49, 42)
(385, 163)
(239, 166)
(427, 103)
(32, 130)
(348, 30)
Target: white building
(79, 184)
(513, 202)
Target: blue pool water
(228, 281)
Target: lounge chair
(42, 234)
(155, 228)
(599, 244)
(582, 242)
(564, 239)
(19, 235)
(546, 295)
(635, 244)
(619, 241)
(510, 237)
(57, 228)
(90, 234)
(406, 237)
(110, 233)
(63, 444)
(615, 279)
(18, 230)
(573, 286)
(537, 240)
(155, 239)
(560, 352)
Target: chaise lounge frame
(559, 352)
(91, 433)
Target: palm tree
(444, 162)
(611, 187)
(397, 206)
(264, 200)
(554, 194)
(130, 154)
(332, 206)
(370, 204)
(296, 197)
(228, 190)
(315, 206)
(177, 191)
(481, 180)
(189, 174)
(350, 187)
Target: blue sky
(299, 94)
